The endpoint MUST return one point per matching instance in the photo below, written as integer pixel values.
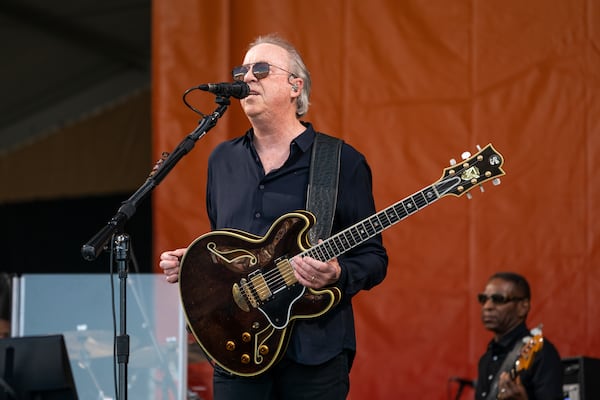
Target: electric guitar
(531, 345)
(238, 290)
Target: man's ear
(297, 85)
(523, 308)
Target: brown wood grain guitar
(238, 290)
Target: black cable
(189, 105)
(114, 317)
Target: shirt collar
(306, 138)
(303, 140)
(511, 337)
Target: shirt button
(483, 394)
(490, 377)
(495, 358)
(257, 215)
(261, 187)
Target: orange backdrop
(411, 84)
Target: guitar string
(364, 230)
(321, 251)
(361, 229)
(276, 277)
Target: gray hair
(297, 68)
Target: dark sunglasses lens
(496, 298)
(238, 73)
(260, 70)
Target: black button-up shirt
(241, 196)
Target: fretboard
(364, 230)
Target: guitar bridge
(239, 299)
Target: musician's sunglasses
(260, 70)
(496, 298)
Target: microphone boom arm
(98, 243)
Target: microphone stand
(460, 390)
(115, 229)
(462, 382)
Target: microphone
(463, 381)
(236, 89)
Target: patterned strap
(323, 184)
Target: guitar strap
(509, 361)
(321, 196)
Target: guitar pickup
(260, 285)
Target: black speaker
(581, 378)
(36, 367)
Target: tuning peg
(496, 182)
(452, 161)
(465, 155)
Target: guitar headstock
(460, 178)
(531, 345)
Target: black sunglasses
(260, 70)
(496, 298)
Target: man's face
(509, 309)
(270, 95)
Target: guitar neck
(456, 180)
(364, 230)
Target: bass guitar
(238, 290)
(530, 346)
